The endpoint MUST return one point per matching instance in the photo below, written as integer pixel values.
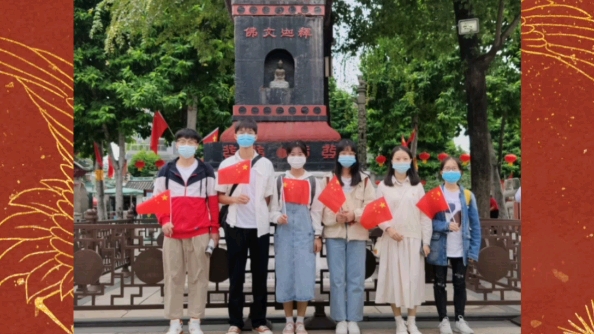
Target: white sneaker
(444, 326)
(300, 328)
(175, 327)
(234, 330)
(341, 328)
(194, 326)
(462, 326)
(353, 328)
(263, 330)
(289, 328)
(412, 328)
(401, 327)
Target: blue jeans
(346, 263)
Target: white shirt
(246, 213)
(454, 247)
(186, 172)
(264, 186)
(347, 188)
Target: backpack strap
(468, 195)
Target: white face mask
(296, 161)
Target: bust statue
(279, 77)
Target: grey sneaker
(353, 328)
(462, 326)
(341, 328)
(444, 326)
(175, 327)
(194, 326)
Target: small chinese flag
(296, 191)
(403, 142)
(375, 213)
(159, 126)
(110, 169)
(212, 137)
(159, 204)
(98, 155)
(333, 196)
(236, 174)
(433, 202)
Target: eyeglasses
(187, 142)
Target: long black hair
(355, 174)
(413, 177)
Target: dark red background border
(46, 25)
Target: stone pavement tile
(378, 327)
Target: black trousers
(239, 241)
(495, 214)
(439, 288)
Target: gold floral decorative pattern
(41, 227)
(586, 325)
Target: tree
(343, 111)
(435, 34)
(99, 115)
(198, 80)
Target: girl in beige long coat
(345, 241)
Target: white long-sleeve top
(408, 220)
(316, 208)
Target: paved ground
(376, 327)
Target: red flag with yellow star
(433, 202)
(333, 196)
(236, 174)
(159, 204)
(296, 191)
(212, 137)
(375, 213)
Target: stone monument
(282, 65)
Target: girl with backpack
(404, 243)
(346, 239)
(298, 213)
(456, 239)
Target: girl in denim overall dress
(297, 238)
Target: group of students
(408, 240)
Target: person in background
(247, 228)
(405, 242)
(518, 195)
(457, 239)
(193, 221)
(346, 239)
(494, 211)
(297, 240)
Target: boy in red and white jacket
(193, 222)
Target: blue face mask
(401, 167)
(347, 160)
(187, 151)
(246, 140)
(451, 176)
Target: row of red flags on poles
(298, 192)
(159, 127)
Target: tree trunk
(496, 183)
(361, 102)
(477, 118)
(192, 114)
(414, 143)
(501, 135)
(101, 212)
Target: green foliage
(343, 111)
(149, 158)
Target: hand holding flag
(236, 174)
(375, 213)
(333, 196)
(433, 202)
(159, 204)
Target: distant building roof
(80, 170)
(141, 183)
